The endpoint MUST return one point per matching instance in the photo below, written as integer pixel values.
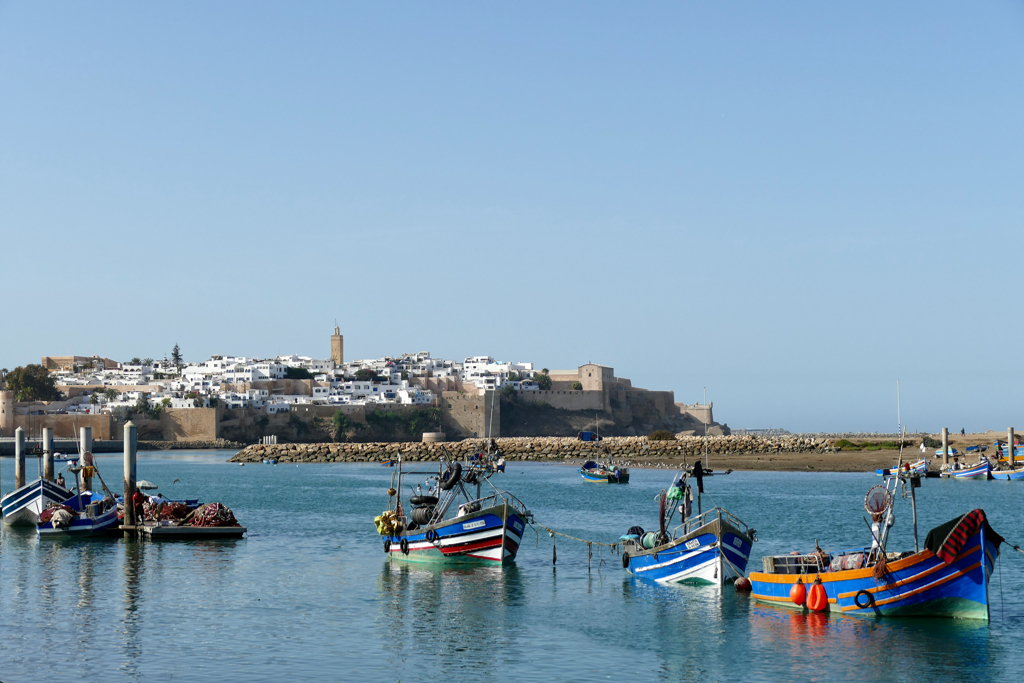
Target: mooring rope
(613, 547)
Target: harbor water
(309, 594)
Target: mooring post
(48, 453)
(945, 445)
(85, 444)
(1009, 444)
(19, 458)
(130, 445)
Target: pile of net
(214, 514)
(47, 514)
(172, 511)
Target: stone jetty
(537, 448)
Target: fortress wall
(64, 426)
(470, 416)
(190, 424)
(567, 399)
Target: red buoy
(743, 585)
(817, 598)
(798, 593)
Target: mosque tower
(337, 347)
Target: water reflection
(131, 599)
(453, 621)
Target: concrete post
(945, 445)
(85, 439)
(48, 453)
(19, 458)
(130, 445)
(1009, 444)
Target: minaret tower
(337, 347)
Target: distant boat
(979, 471)
(919, 467)
(604, 474)
(1008, 475)
(388, 463)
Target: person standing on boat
(876, 529)
(60, 479)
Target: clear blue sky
(792, 204)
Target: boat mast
(705, 428)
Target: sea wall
(535, 448)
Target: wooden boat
(948, 578)
(1008, 475)
(920, 467)
(388, 463)
(604, 474)
(452, 524)
(24, 505)
(82, 515)
(711, 548)
(979, 471)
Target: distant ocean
(309, 595)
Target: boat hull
(919, 467)
(604, 477)
(918, 585)
(977, 472)
(489, 537)
(714, 554)
(23, 506)
(1008, 475)
(81, 526)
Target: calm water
(309, 595)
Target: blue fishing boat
(1008, 474)
(979, 471)
(948, 578)
(88, 514)
(455, 521)
(919, 467)
(23, 506)
(604, 474)
(710, 548)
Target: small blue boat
(711, 548)
(24, 505)
(1008, 475)
(604, 474)
(90, 514)
(979, 471)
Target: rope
(613, 547)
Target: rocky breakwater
(535, 448)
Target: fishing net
(877, 500)
(214, 514)
(47, 514)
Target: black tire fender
(870, 602)
(451, 476)
(387, 545)
(432, 535)
(423, 500)
(404, 545)
(625, 560)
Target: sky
(792, 205)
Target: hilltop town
(299, 398)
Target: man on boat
(60, 479)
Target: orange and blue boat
(948, 578)
(604, 474)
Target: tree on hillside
(135, 361)
(366, 375)
(344, 425)
(543, 380)
(33, 383)
(297, 373)
(176, 356)
(514, 377)
(111, 393)
(147, 361)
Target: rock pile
(535, 448)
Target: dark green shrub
(661, 435)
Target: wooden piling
(48, 453)
(130, 449)
(19, 458)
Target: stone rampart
(534, 448)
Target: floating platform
(173, 532)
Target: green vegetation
(165, 402)
(389, 425)
(661, 435)
(176, 356)
(344, 426)
(543, 380)
(577, 386)
(135, 361)
(33, 383)
(847, 445)
(111, 394)
(514, 377)
(366, 375)
(929, 442)
(297, 373)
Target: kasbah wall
(467, 416)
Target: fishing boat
(455, 522)
(23, 506)
(948, 578)
(708, 548)
(604, 474)
(920, 467)
(1011, 474)
(388, 463)
(87, 514)
(978, 471)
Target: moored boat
(919, 467)
(948, 578)
(978, 471)
(604, 474)
(23, 506)
(82, 515)
(710, 548)
(1008, 474)
(449, 524)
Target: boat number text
(737, 542)
(690, 545)
(473, 525)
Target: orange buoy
(817, 598)
(798, 593)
